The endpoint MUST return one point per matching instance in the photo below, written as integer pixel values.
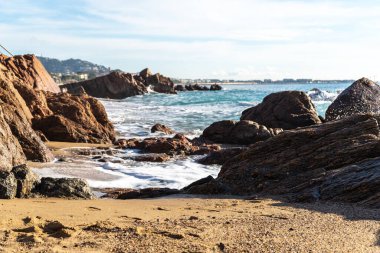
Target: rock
(215, 87)
(286, 110)
(145, 73)
(238, 132)
(179, 87)
(154, 158)
(147, 193)
(189, 87)
(327, 161)
(75, 119)
(221, 156)
(8, 185)
(17, 115)
(363, 96)
(207, 185)
(11, 153)
(28, 70)
(26, 180)
(64, 188)
(179, 144)
(161, 128)
(116, 85)
(160, 83)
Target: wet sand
(185, 224)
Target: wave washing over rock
(186, 112)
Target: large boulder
(326, 161)
(8, 185)
(26, 180)
(286, 110)
(75, 119)
(160, 83)
(363, 96)
(116, 85)
(28, 70)
(64, 188)
(161, 128)
(242, 132)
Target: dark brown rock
(216, 87)
(161, 128)
(363, 96)
(160, 83)
(221, 156)
(154, 158)
(8, 185)
(116, 85)
(326, 161)
(139, 193)
(238, 132)
(286, 110)
(145, 73)
(64, 188)
(179, 144)
(179, 87)
(75, 119)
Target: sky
(226, 39)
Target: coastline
(183, 223)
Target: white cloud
(238, 39)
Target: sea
(186, 112)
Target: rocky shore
(280, 148)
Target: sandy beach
(185, 224)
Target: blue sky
(234, 39)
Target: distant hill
(72, 66)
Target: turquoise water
(186, 112)
(191, 112)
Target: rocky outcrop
(178, 145)
(193, 87)
(221, 156)
(161, 128)
(19, 182)
(242, 132)
(11, 153)
(75, 119)
(139, 193)
(215, 87)
(64, 188)
(116, 85)
(160, 83)
(286, 110)
(28, 70)
(363, 96)
(331, 161)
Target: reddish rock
(154, 158)
(161, 128)
(242, 132)
(160, 83)
(28, 70)
(116, 85)
(286, 110)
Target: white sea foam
(186, 112)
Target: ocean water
(186, 112)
